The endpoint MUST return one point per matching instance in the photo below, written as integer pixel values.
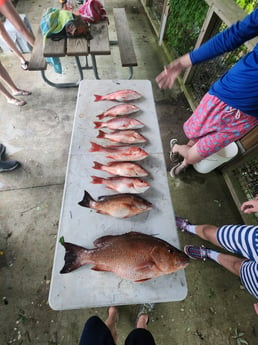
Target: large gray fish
(133, 256)
(117, 205)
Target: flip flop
(22, 93)
(2, 151)
(175, 157)
(18, 102)
(177, 170)
(139, 315)
(25, 65)
(145, 309)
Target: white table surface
(85, 288)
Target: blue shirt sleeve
(228, 39)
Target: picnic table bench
(81, 47)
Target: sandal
(25, 65)
(196, 253)
(22, 93)
(144, 309)
(18, 102)
(177, 170)
(139, 315)
(175, 157)
(2, 151)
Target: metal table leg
(65, 85)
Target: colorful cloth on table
(54, 21)
(238, 87)
(214, 125)
(243, 240)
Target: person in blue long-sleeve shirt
(229, 110)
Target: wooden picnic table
(81, 47)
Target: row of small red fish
(124, 133)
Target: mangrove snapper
(133, 256)
(117, 205)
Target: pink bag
(92, 11)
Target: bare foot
(111, 321)
(142, 321)
(15, 101)
(20, 92)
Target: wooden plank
(229, 12)
(37, 61)
(250, 139)
(99, 45)
(212, 21)
(77, 47)
(125, 43)
(54, 48)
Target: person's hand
(168, 76)
(250, 206)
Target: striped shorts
(243, 240)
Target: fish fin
(100, 268)
(95, 147)
(142, 280)
(101, 116)
(87, 198)
(72, 257)
(97, 124)
(96, 179)
(97, 98)
(97, 165)
(101, 134)
(103, 240)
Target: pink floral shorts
(214, 125)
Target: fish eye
(171, 250)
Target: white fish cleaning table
(85, 288)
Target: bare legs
(10, 12)
(111, 322)
(4, 75)
(7, 39)
(230, 262)
(189, 154)
(142, 321)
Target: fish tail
(97, 165)
(87, 198)
(72, 257)
(97, 124)
(96, 180)
(97, 98)
(95, 147)
(101, 134)
(101, 116)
